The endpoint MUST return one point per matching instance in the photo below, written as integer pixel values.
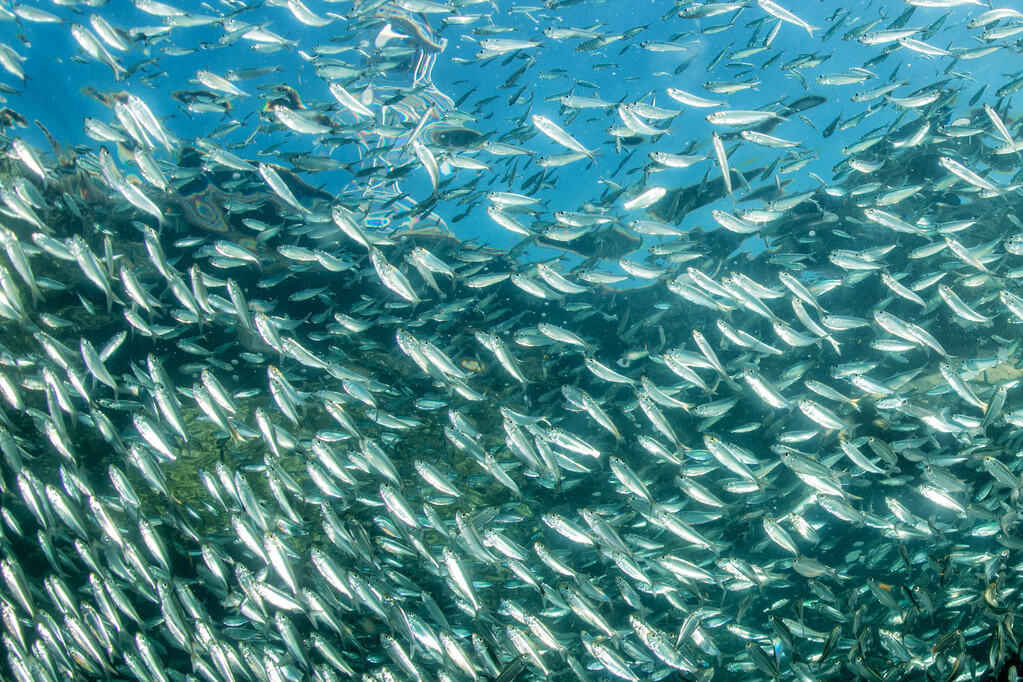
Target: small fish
(783, 14)
(558, 134)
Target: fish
(387, 385)
(559, 135)
(776, 10)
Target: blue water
(621, 71)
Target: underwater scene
(485, 340)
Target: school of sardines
(719, 413)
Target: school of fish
(718, 412)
